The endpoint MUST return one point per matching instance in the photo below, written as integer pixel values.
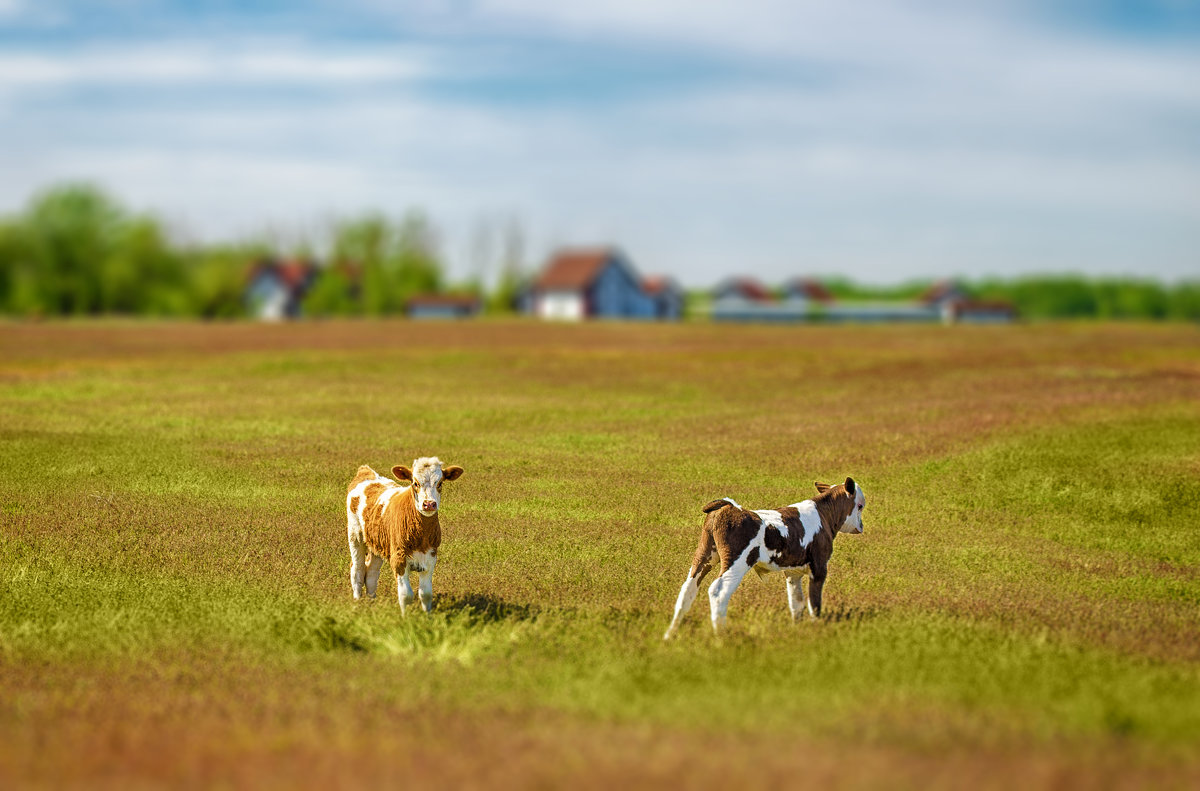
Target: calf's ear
(822, 487)
(402, 473)
(850, 486)
(451, 473)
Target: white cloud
(184, 63)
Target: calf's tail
(717, 505)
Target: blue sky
(877, 140)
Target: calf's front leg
(425, 583)
(815, 585)
(374, 566)
(404, 591)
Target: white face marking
(426, 487)
(853, 523)
(731, 502)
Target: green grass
(1030, 571)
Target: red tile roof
(811, 289)
(748, 288)
(573, 270)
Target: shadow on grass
(482, 608)
(461, 627)
(850, 614)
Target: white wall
(560, 305)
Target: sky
(877, 140)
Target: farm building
(943, 292)
(746, 299)
(804, 292)
(274, 288)
(741, 290)
(590, 283)
(442, 306)
(804, 299)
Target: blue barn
(591, 283)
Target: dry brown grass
(185, 726)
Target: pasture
(1023, 608)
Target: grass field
(1022, 610)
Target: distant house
(442, 306)
(740, 290)
(275, 288)
(804, 292)
(746, 299)
(589, 283)
(667, 295)
(952, 304)
(943, 292)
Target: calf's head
(855, 500)
(427, 476)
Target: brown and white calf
(386, 520)
(796, 539)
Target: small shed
(442, 306)
(667, 294)
(978, 311)
(590, 283)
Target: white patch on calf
(387, 496)
(773, 519)
(810, 520)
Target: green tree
(76, 251)
(333, 294)
(396, 261)
(217, 279)
(512, 276)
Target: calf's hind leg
(687, 595)
(701, 563)
(358, 567)
(721, 591)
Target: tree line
(75, 251)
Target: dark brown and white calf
(796, 539)
(386, 520)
